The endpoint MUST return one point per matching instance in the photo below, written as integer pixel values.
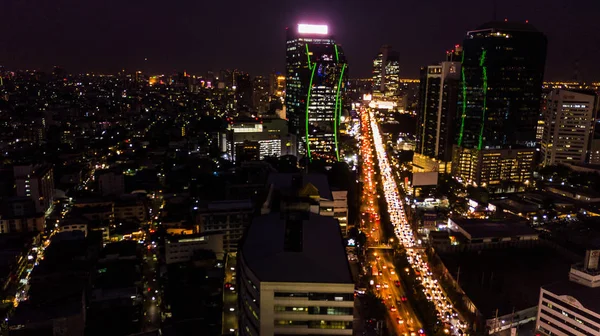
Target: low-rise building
(181, 248)
(228, 217)
(130, 208)
(572, 307)
(294, 277)
(492, 231)
(18, 214)
(578, 194)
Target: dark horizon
(107, 36)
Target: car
(385, 285)
(397, 283)
(403, 298)
(393, 308)
(399, 320)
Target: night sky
(201, 35)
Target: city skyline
(84, 37)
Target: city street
(230, 321)
(404, 233)
(401, 317)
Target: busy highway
(415, 253)
(401, 318)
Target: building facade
(492, 166)
(294, 278)
(37, 183)
(436, 111)
(386, 74)
(572, 307)
(501, 85)
(229, 217)
(181, 248)
(569, 119)
(315, 85)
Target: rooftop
(488, 228)
(504, 279)
(286, 181)
(508, 26)
(587, 296)
(308, 249)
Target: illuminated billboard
(425, 179)
(312, 29)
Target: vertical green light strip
(306, 117)
(312, 75)
(464, 104)
(337, 55)
(338, 105)
(485, 87)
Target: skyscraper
(438, 95)
(502, 71)
(568, 126)
(316, 74)
(386, 74)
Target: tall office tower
(242, 84)
(386, 74)
(260, 95)
(502, 71)
(438, 95)
(315, 84)
(569, 118)
(277, 85)
(294, 277)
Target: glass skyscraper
(501, 83)
(386, 74)
(438, 95)
(316, 74)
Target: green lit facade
(316, 76)
(501, 82)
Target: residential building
(130, 208)
(231, 217)
(569, 119)
(111, 182)
(294, 277)
(315, 85)
(572, 307)
(18, 214)
(37, 183)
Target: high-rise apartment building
(316, 75)
(501, 77)
(294, 277)
(569, 118)
(386, 74)
(436, 110)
